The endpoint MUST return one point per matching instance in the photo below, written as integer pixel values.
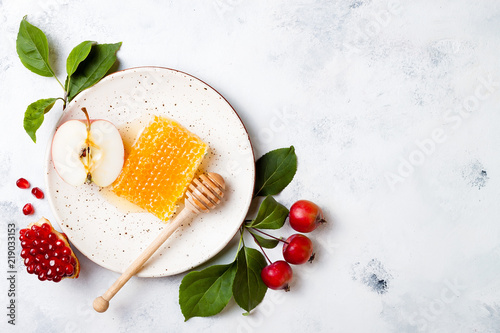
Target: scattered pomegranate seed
(23, 183)
(28, 209)
(37, 192)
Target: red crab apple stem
(271, 236)
(261, 248)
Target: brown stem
(261, 248)
(271, 236)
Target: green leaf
(33, 117)
(271, 215)
(77, 55)
(274, 171)
(264, 242)
(99, 61)
(33, 49)
(207, 292)
(248, 288)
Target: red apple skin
(82, 121)
(305, 216)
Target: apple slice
(85, 151)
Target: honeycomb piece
(161, 164)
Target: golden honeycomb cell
(161, 164)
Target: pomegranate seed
(38, 268)
(72, 261)
(23, 183)
(42, 234)
(65, 259)
(69, 270)
(32, 252)
(30, 269)
(34, 227)
(56, 278)
(28, 209)
(25, 253)
(66, 251)
(35, 243)
(37, 192)
(57, 253)
(46, 227)
(50, 273)
(28, 261)
(52, 237)
(28, 234)
(59, 243)
(26, 243)
(22, 231)
(39, 257)
(42, 276)
(60, 271)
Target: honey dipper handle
(101, 303)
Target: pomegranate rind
(64, 238)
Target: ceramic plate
(111, 232)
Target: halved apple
(85, 151)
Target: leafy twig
(87, 63)
(247, 287)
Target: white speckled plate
(112, 236)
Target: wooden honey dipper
(202, 195)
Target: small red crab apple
(277, 275)
(305, 216)
(47, 253)
(298, 249)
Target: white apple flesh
(88, 151)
